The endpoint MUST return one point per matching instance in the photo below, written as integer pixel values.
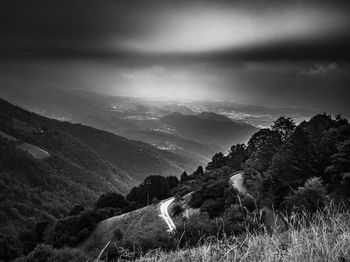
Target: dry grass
(323, 237)
(136, 225)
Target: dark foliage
(184, 177)
(282, 160)
(237, 156)
(218, 160)
(214, 192)
(285, 126)
(111, 199)
(152, 187)
(44, 253)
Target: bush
(111, 199)
(309, 197)
(117, 234)
(76, 210)
(10, 247)
(214, 195)
(197, 228)
(177, 210)
(44, 253)
(83, 234)
(248, 202)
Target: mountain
(213, 117)
(196, 137)
(173, 143)
(128, 117)
(220, 201)
(209, 128)
(47, 166)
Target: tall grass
(323, 236)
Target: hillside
(48, 166)
(117, 150)
(45, 171)
(247, 206)
(140, 119)
(209, 129)
(288, 181)
(153, 228)
(173, 143)
(320, 239)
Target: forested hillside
(296, 170)
(76, 165)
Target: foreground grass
(323, 237)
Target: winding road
(165, 214)
(237, 182)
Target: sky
(289, 53)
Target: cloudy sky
(277, 53)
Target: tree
(172, 181)
(285, 126)
(218, 160)
(261, 148)
(111, 199)
(237, 156)
(198, 173)
(340, 169)
(152, 187)
(293, 164)
(341, 160)
(214, 193)
(184, 177)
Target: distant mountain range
(210, 128)
(152, 122)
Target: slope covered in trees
(288, 167)
(83, 163)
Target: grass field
(142, 225)
(322, 237)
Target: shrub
(44, 253)
(214, 195)
(177, 210)
(76, 210)
(309, 197)
(10, 247)
(83, 234)
(111, 199)
(248, 202)
(198, 227)
(117, 234)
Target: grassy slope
(325, 237)
(135, 226)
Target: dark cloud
(104, 29)
(284, 53)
